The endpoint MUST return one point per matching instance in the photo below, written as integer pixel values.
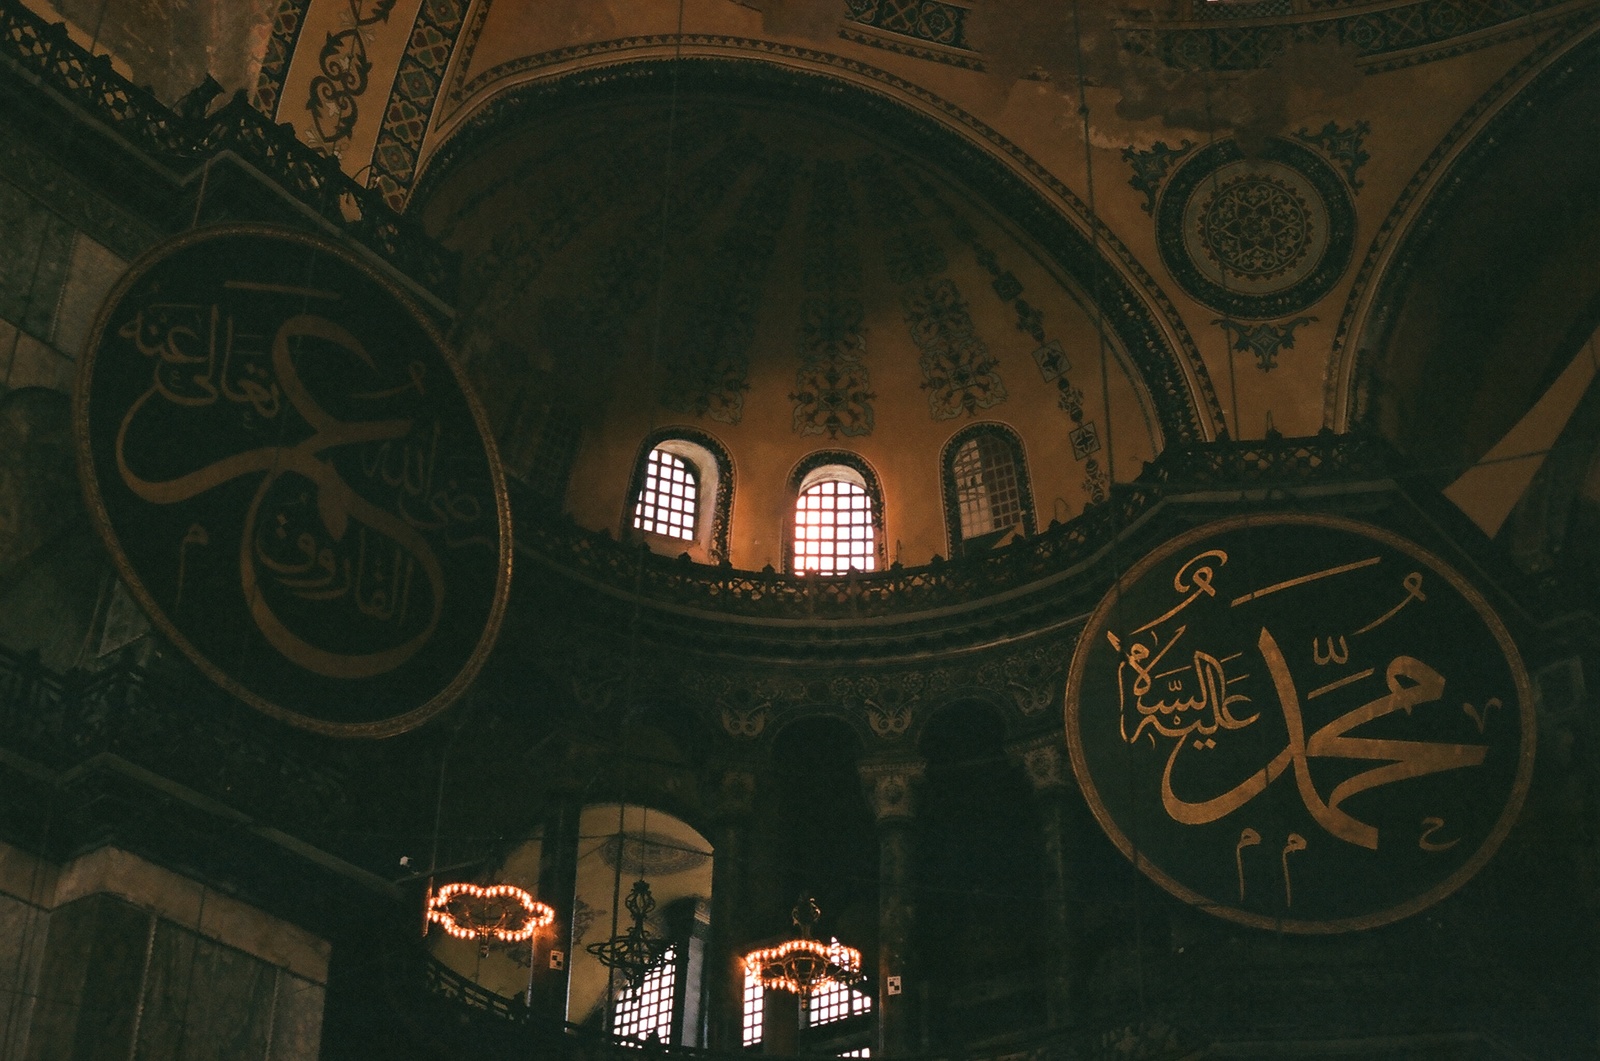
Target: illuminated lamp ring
(800, 966)
(538, 915)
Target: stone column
(724, 968)
(891, 788)
(558, 881)
(1042, 762)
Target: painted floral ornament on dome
(500, 913)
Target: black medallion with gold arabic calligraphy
(1300, 722)
(295, 480)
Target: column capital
(1043, 761)
(733, 797)
(891, 787)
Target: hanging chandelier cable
(1117, 528)
(631, 954)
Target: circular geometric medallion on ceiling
(1255, 238)
(1300, 722)
(294, 479)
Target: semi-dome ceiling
(818, 290)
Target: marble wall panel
(22, 937)
(204, 1001)
(168, 984)
(32, 271)
(35, 364)
(94, 270)
(90, 980)
(296, 1020)
(235, 993)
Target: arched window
(837, 523)
(682, 493)
(670, 499)
(986, 492)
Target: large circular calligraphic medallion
(294, 479)
(1300, 722)
(1256, 237)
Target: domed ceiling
(1255, 181)
(800, 287)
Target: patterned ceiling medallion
(1256, 237)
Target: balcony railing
(598, 558)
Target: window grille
(834, 1001)
(648, 1008)
(833, 529)
(755, 1002)
(669, 499)
(550, 463)
(988, 494)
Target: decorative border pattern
(465, 50)
(930, 21)
(417, 86)
(1437, 202)
(1136, 308)
(286, 24)
(1173, 240)
(965, 61)
(1387, 38)
(947, 483)
(45, 51)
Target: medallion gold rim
(1462, 874)
(90, 484)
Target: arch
(989, 480)
(818, 833)
(823, 467)
(1432, 198)
(714, 473)
(1166, 364)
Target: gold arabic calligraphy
(330, 542)
(1191, 704)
